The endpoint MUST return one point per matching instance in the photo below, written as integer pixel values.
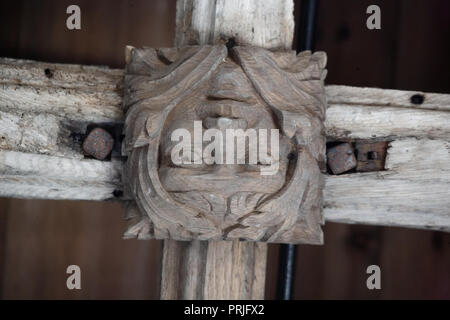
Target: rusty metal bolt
(98, 144)
(371, 156)
(341, 158)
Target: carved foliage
(249, 87)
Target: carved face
(227, 101)
(248, 88)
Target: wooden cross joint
(397, 143)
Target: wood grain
(218, 201)
(77, 92)
(419, 252)
(412, 192)
(35, 176)
(359, 113)
(268, 24)
(371, 113)
(43, 105)
(192, 28)
(45, 237)
(213, 270)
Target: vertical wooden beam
(268, 24)
(213, 270)
(224, 269)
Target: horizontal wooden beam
(33, 176)
(412, 192)
(42, 105)
(378, 114)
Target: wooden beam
(413, 191)
(370, 113)
(33, 176)
(268, 24)
(213, 270)
(224, 269)
(44, 107)
(384, 113)
(35, 129)
(78, 93)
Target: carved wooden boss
(237, 88)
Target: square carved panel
(225, 143)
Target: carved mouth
(225, 184)
(229, 109)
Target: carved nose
(231, 83)
(223, 123)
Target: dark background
(39, 239)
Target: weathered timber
(410, 120)
(412, 192)
(213, 269)
(279, 201)
(387, 114)
(83, 93)
(199, 22)
(45, 107)
(38, 114)
(34, 176)
(267, 24)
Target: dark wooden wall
(39, 239)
